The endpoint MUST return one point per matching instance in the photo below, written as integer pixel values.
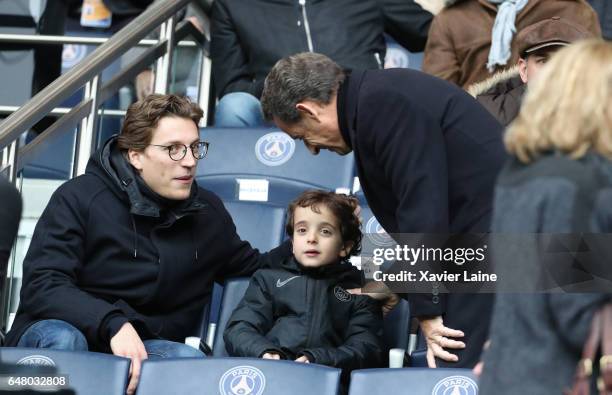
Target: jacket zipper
(306, 25)
(312, 295)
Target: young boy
(302, 311)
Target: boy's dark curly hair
(342, 207)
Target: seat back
(87, 372)
(413, 381)
(52, 158)
(232, 376)
(396, 326)
(263, 164)
(233, 291)
(260, 224)
(397, 322)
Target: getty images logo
(242, 380)
(274, 149)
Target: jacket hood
(502, 95)
(498, 83)
(343, 272)
(110, 165)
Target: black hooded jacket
(294, 311)
(108, 250)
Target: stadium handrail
(87, 73)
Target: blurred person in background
(469, 40)
(503, 93)
(559, 180)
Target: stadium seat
(87, 372)
(236, 376)
(233, 291)
(397, 323)
(52, 159)
(413, 381)
(418, 358)
(260, 224)
(266, 165)
(397, 326)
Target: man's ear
(308, 109)
(135, 159)
(348, 246)
(522, 66)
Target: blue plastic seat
(397, 323)
(233, 291)
(262, 225)
(272, 156)
(87, 372)
(413, 381)
(236, 376)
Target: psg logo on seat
(36, 360)
(242, 380)
(274, 149)
(455, 385)
(377, 234)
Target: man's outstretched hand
(439, 338)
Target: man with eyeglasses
(124, 257)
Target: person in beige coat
(469, 40)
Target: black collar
(348, 97)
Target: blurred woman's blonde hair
(568, 108)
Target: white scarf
(503, 31)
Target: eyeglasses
(178, 151)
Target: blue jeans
(239, 109)
(60, 335)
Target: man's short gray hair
(296, 78)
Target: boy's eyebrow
(325, 223)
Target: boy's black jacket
(296, 311)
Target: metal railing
(87, 74)
(85, 115)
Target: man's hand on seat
(437, 336)
(126, 343)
